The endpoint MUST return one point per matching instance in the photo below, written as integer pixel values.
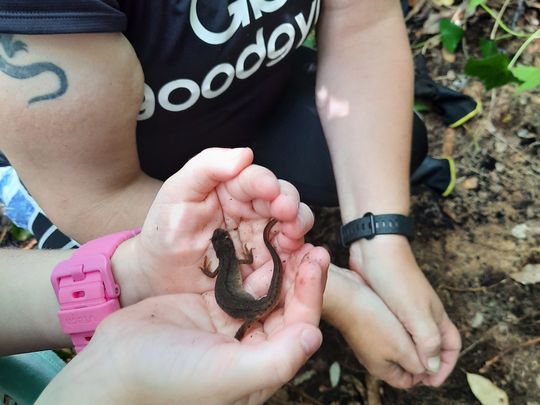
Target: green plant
(495, 69)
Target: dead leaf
(449, 140)
(530, 274)
(306, 376)
(443, 3)
(359, 388)
(335, 374)
(448, 56)
(373, 385)
(485, 391)
(470, 183)
(431, 25)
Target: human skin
(218, 188)
(104, 189)
(369, 139)
(179, 349)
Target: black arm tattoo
(11, 47)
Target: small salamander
(229, 290)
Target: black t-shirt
(213, 69)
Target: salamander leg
(205, 268)
(248, 256)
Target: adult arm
(364, 96)
(76, 150)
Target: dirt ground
(469, 244)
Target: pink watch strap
(85, 287)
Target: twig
(471, 289)
(499, 17)
(304, 394)
(520, 153)
(493, 360)
(372, 385)
(28, 245)
(501, 23)
(3, 233)
(520, 9)
(492, 102)
(416, 9)
(476, 343)
(522, 48)
(487, 334)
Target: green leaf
(530, 76)
(335, 374)
(19, 234)
(492, 71)
(451, 34)
(311, 41)
(421, 106)
(473, 4)
(488, 47)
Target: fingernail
(311, 341)
(434, 364)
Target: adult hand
(388, 265)
(218, 188)
(178, 348)
(372, 331)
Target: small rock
(470, 183)
(499, 167)
(500, 147)
(530, 274)
(460, 83)
(524, 133)
(484, 195)
(496, 188)
(533, 227)
(477, 320)
(520, 231)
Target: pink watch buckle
(79, 269)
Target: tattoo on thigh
(11, 47)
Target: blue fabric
(19, 207)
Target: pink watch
(85, 287)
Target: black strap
(371, 225)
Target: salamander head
(221, 241)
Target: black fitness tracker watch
(371, 225)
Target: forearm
(124, 208)
(364, 94)
(28, 306)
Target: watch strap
(371, 225)
(85, 287)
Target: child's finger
(201, 174)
